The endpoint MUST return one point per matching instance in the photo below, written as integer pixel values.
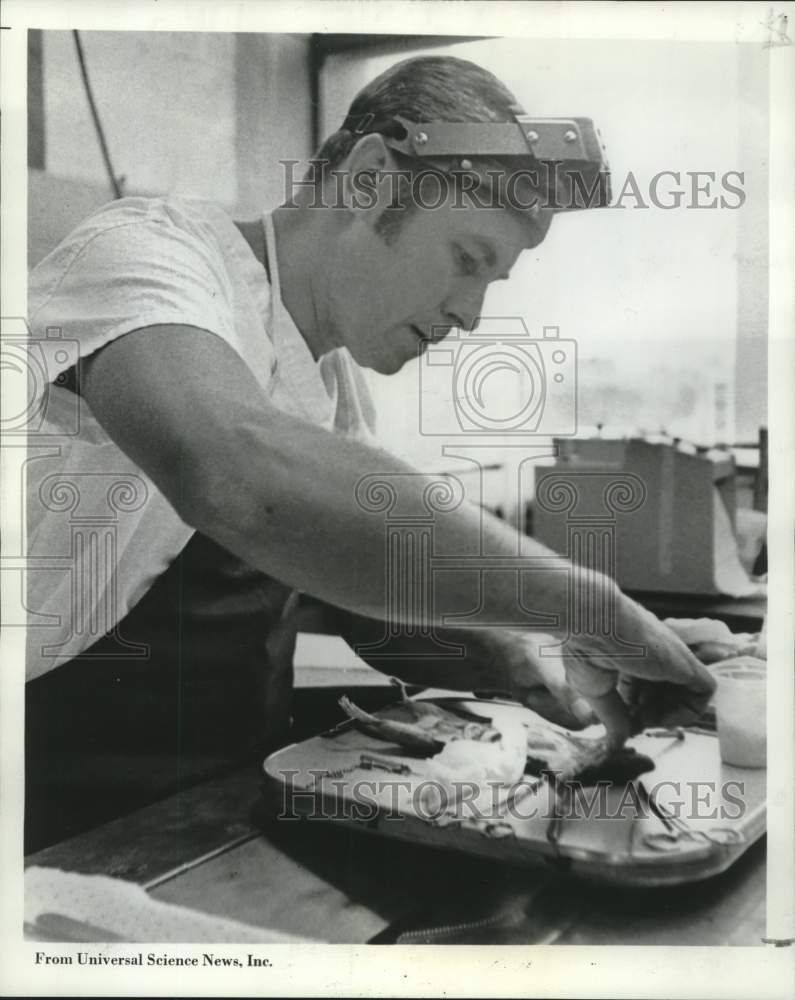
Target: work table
(213, 848)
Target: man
(218, 378)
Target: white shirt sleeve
(137, 263)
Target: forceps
(677, 830)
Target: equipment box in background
(652, 516)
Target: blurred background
(668, 307)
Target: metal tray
(607, 832)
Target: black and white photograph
(397, 499)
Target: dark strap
(105, 733)
(368, 123)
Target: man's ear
(370, 178)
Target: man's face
(390, 298)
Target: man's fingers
(613, 714)
(589, 680)
(583, 711)
(573, 702)
(598, 687)
(626, 703)
(667, 658)
(542, 701)
(662, 704)
(553, 673)
(664, 685)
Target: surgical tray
(689, 819)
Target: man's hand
(666, 685)
(539, 681)
(496, 661)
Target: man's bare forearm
(303, 504)
(313, 508)
(288, 497)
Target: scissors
(676, 829)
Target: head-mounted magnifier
(540, 165)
